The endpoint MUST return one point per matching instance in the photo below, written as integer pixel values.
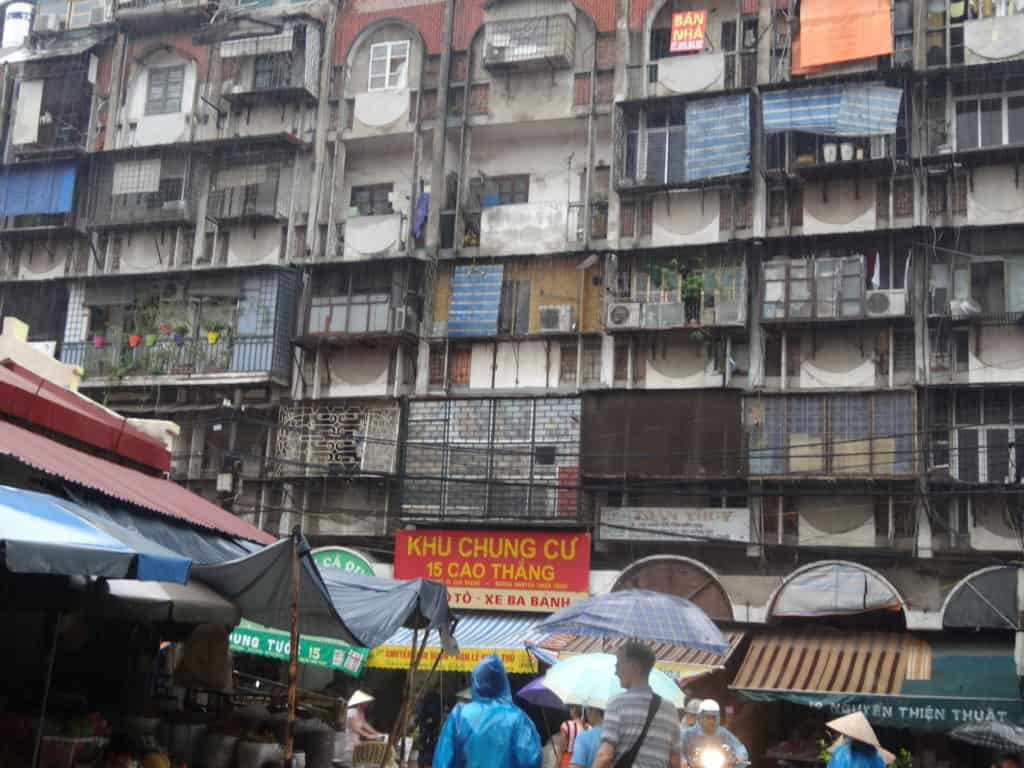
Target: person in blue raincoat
(860, 747)
(490, 731)
(709, 732)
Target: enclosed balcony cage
(539, 43)
(51, 115)
(248, 185)
(142, 190)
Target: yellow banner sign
(517, 662)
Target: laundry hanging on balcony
(717, 137)
(836, 110)
(37, 189)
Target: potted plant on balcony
(693, 286)
(180, 332)
(99, 341)
(165, 329)
(150, 339)
(134, 340)
(213, 332)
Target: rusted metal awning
(834, 662)
(677, 661)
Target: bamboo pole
(293, 656)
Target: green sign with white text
(343, 559)
(256, 639)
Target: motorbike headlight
(712, 758)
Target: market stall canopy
(478, 635)
(639, 614)
(678, 662)
(374, 608)
(261, 586)
(43, 534)
(896, 679)
(191, 603)
(149, 492)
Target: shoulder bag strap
(626, 759)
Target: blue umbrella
(44, 534)
(639, 614)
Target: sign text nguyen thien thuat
(499, 570)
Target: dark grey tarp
(374, 608)
(261, 586)
(201, 546)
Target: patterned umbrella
(1000, 737)
(639, 614)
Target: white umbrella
(590, 681)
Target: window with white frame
(989, 119)
(164, 89)
(388, 65)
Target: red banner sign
(499, 570)
(688, 31)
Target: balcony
(520, 228)
(250, 191)
(336, 317)
(50, 116)
(193, 357)
(655, 296)
(547, 42)
(826, 290)
(144, 15)
(284, 66)
(140, 192)
(865, 435)
(976, 291)
(823, 157)
(681, 143)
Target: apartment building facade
(733, 288)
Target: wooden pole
(293, 656)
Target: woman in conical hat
(860, 747)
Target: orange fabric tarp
(837, 31)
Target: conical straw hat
(358, 698)
(855, 726)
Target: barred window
(164, 89)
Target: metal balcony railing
(232, 198)
(193, 357)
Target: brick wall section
(606, 51)
(480, 99)
(181, 43)
(581, 90)
(427, 17)
(604, 92)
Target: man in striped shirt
(626, 714)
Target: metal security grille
(327, 439)
(549, 40)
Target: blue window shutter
(42, 189)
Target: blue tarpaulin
(717, 137)
(43, 534)
(476, 298)
(37, 189)
(834, 110)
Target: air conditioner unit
(886, 303)
(623, 315)
(495, 54)
(555, 318)
(174, 205)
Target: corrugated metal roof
(28, 397)
(153, 493)
(491, 631)
(834, 662)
